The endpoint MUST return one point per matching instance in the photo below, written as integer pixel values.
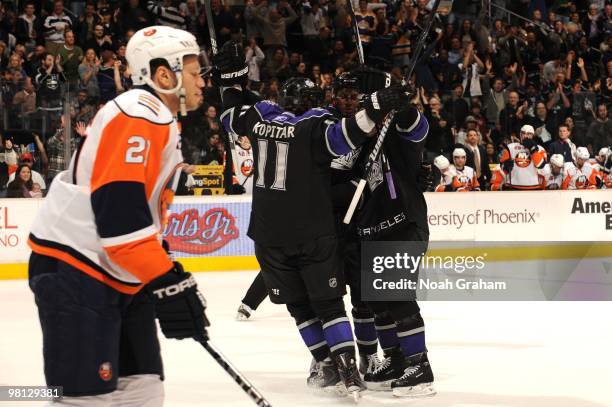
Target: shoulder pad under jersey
(139, 103)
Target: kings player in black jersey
(292, 222)
(393, 209)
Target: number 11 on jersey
(279, 162)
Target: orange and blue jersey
(105, 213)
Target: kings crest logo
(190, 232)
(375, 177)
(347, 161)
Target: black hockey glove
(230, 65)
(370, 80)
(378, 104)
(508, 165)
(530, 145)
(235, 189)
(425, 177)
(179, 306)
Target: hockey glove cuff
(179, 306)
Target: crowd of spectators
(485, 74)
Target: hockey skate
(417, 380)
(347, 367)
(244, 312)
(324, 376)
(390, 369)
(369, 363)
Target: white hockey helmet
(528, 129)
(603, 152)
(557, 160)
(582, 153)
(441, 162)
(459, 152)
(156, 42)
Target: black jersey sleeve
(338, 137)
(236, 103)
(411, 125)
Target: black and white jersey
(392, 199)
(168, 16)
(397, 170)
(53, 27)
(292, 183)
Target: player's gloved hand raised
(179, 306)
(370, 80)
(230, 66)
(530, 145)
(379, 103)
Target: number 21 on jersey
(280, 164)
(138, 150)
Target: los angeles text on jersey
(594, 207)
(273, 131)
(446, 284)
(386, 224)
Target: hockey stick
(357, 36)
(373, 157)
(214, 48)
(360, 53)
(242, 381)
(211, 28)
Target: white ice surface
(509, 354)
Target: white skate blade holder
(418, 391)
(356, 394)
(379, 386)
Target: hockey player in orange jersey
(464, 177)
(600, 160)
(585, 175)
(552, 175)
(446, 174)
(521, 162)
(98, 271)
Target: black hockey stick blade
(238, 377)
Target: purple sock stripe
(365, 331)
(312, 334)
(387, 337)
(412, 344)
(338, 333)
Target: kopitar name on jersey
(271, 131)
